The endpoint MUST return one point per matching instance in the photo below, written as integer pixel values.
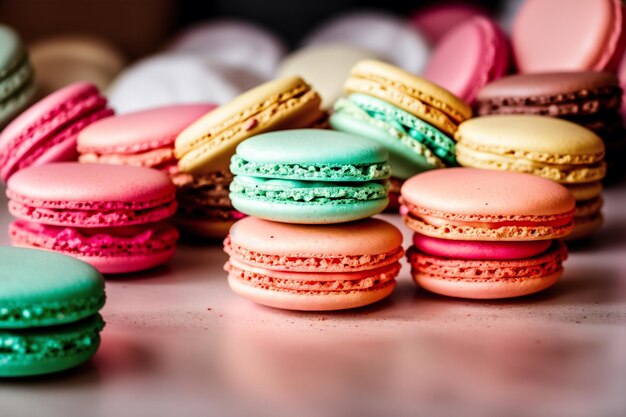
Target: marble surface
(178, 342)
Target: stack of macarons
(113, 217)
(49, 305)
(483, 234)
(17, 79)
(146, 138)
(47, 131)
(414, 119)
(205, 147)
(545, 146)
(308, 243)
(590, 98)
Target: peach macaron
(486, 234)
(313, 267)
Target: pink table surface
(179, 343)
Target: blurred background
(140, 27)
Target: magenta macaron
(47, 131)
(111, 216)
(468, 57)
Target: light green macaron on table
(49, 307)
(310, 176)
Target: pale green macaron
(310, 176)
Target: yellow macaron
(553, 148)
(418, 96)
(208, 144)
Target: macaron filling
(308, 281)
(302, 171)
(308, 192)
(311, 262)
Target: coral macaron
(474, 204)
(110, 216)
(313, 267)
(47, 131)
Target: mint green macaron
(17, 86)
(414, 146)
(49, 307)
(310, 176)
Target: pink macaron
(47, 131)
(110, 216)
(435, 21)
(568, 35)
(143, 138)
(313, 267)
(468, 57)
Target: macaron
(388, 36)
(17, 85)
(589, 98)
(208, 144)
(568, 35)
(168, 79)
(478, 272)
(437, 20)
(66, 59)
(494, 239)
(544, 146)
(309, 176)
(235, 43)
(487, 205)
(431, 103)
(205, 147)
(49, 319)
(313, 267)
(48, 130)
(312, 65)
(468, 57)
(143, 138)
(110, 216)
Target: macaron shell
(41, 288)
(468, 57)
(437, 20)
(486, 290)
(362, 238)
(70, 184)
(309, 301)
(141, 131)
(208, 144)
(585, 227)
(308, 213)
(50, 349)
(536, 138)
(484, 193)
(586, 38)
(111, 251)
(486, 250)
